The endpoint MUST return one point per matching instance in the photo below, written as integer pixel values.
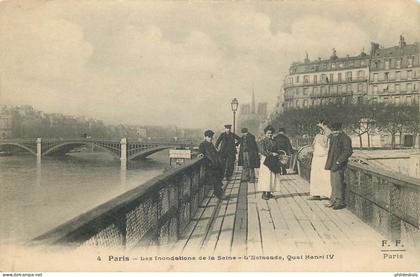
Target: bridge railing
(387, 201)
(154, 213)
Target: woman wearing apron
(266, 178)
(320, 184)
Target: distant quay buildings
(385, 75)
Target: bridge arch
(147, 152)
(18, 145)
(65, 147)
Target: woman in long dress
(267, 178)
(320, 183)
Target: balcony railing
(320, 83)
(155, 213)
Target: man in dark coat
(339, 152)
(214, 171)
(248, 155)
(283, 143)
(226, 143)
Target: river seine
(36, 197)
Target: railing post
(123, 153)
(38, 148)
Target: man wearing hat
(214, 166)
(248, 155)
(227, 149)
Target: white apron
(320, 184)
(267, 180)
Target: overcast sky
(177, 63)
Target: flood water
(36, 197)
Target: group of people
(332, 148)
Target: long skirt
(267, 180)
(320, 184)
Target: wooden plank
(223, 244)
(308, 214)
(254, 239)
(346, 226)
(195, 241)
(212, 237)
(316, 217)
(189, 229)
(241, 220)
(298, 238)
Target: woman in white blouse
(320, 183)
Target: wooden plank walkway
(246, 224)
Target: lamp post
(234, 105)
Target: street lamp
(234, 105)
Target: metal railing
(154, 213)
(387, 201)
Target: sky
(177, 62)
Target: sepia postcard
(250, 136)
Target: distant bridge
(122, 149)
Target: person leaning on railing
(339, 152)
(215, 168)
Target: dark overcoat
(283, 143)
(226, 143)
(252, 149)
(340, 150)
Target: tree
(391, 119)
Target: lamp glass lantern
(234, 104)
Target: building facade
(387, 75)
(333, 80)
(5, 126)
(395, 74)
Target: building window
(398, 75)
(324, 78)
(305, 91)
(348, 88)
(375, 77)
(339, 89)
(315, 79)
(348, 76)
(414, 87)
(386, 76)
(305, 103)
(331, 77)
(315, 91)
(398, 63)
(397, 87)
(360, 87)
(333, 65)
(410, 61)
(361, 74)
(387, 62)
(409, 87)
(360, 100)
(408, 100)
(385, 99)
(323, 91)
(297, 79)
(339, 77)
(397, 100)
(375, 89)
(306, 79)
(409, 74)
